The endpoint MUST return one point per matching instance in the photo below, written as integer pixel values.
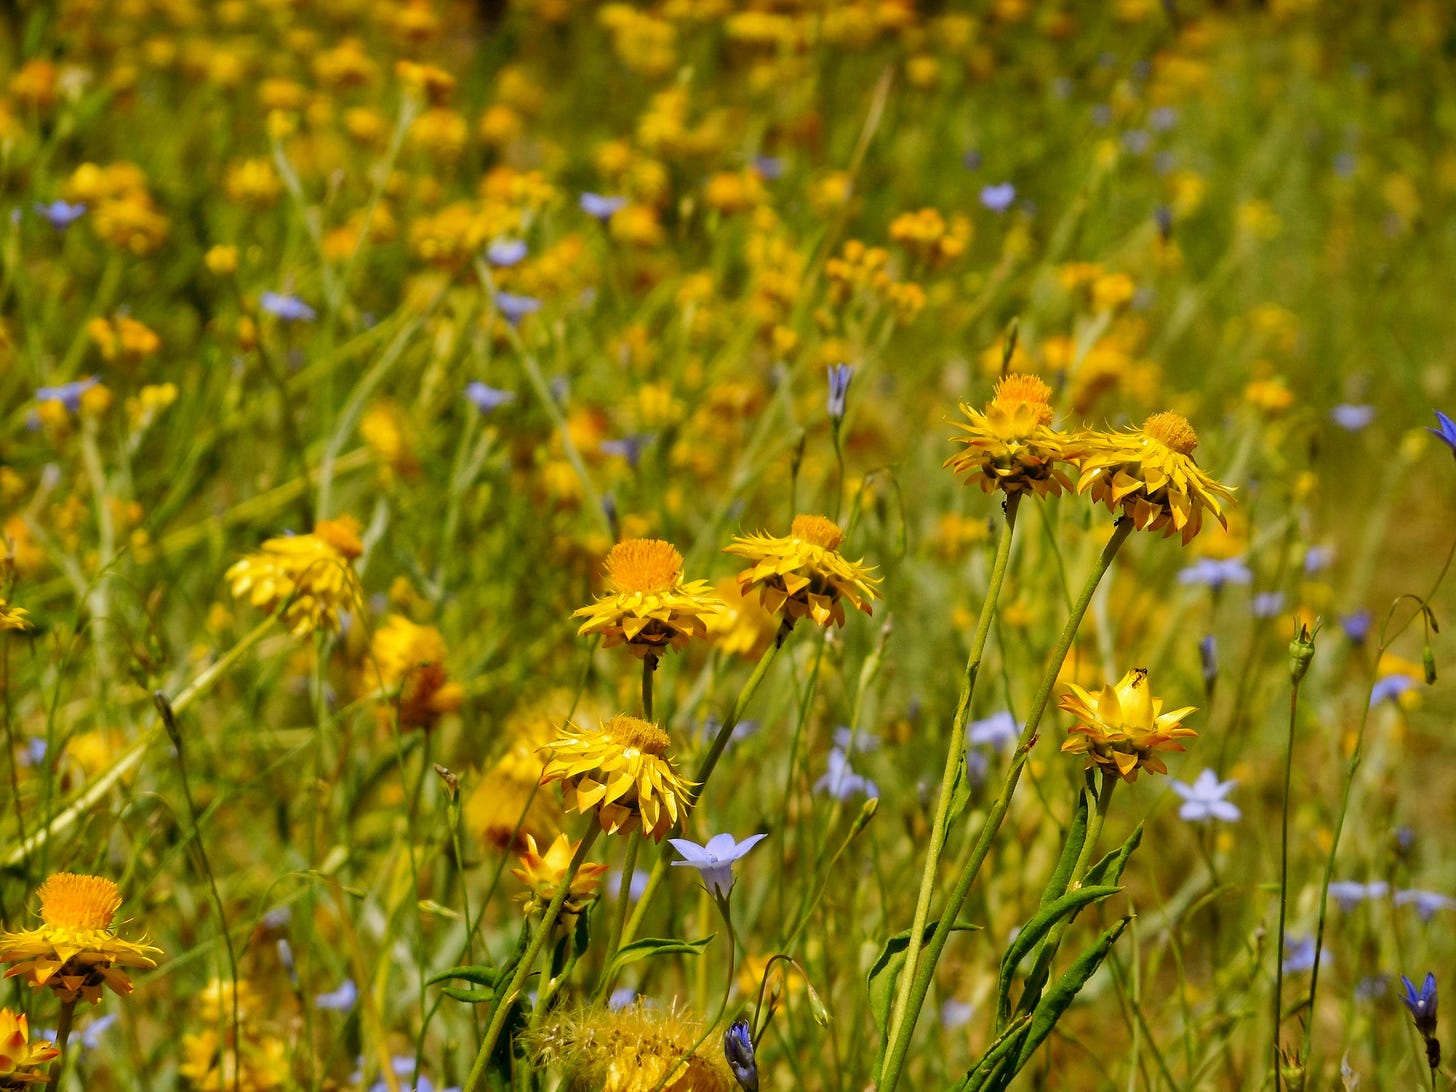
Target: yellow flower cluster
(309, 578)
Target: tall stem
(1283, 880)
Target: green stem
(954, 763)
(624, 890)
(649, 668)
(899, 1048)
(1094, 827)
(1283, 880)
(683, 1060)
(63, 1033)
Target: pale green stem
(1283, 879)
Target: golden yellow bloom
(804, 573)
(311, 577)
(410, 663)
(1120, 728)
(1149, 473)
(74, 952)
(632, 1050)
(618, 772)
(542, 874)
(743, 627)
(13, 617)
(648, 606)
(1012, 446)
(254, 1059)
(21, 1061)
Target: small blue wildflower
(1208, 660)
(841, 782)
(278, 917)
(1299, 955)
(285, 957)
(839, 377)
(34, 752)
(91, 1037)
(714, 860)
(1356, 626)
(998, 197)
(1352, 418)
(846, 739)
(1422, 1004)
(1344, 164)
(1390, 688)
(635, 886)
(1372, 987)
(67, 394)
(1136, 141)
(1427, 903)
(956, 1014)
(514, 308)
(1215, 574)
(1266, 604)
(738, 1051)
(629, 447)
(60, 214)
(996, 731)
(1204, 799)
(1349, 894)
(1162, 119)
(287, 308)
(1446, 433)
(621, 998)
(1318, 558)
(339, 1000)
(769, 167)
(600, 206)
(486, 398)
(504, 253)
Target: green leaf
(481, 974)
(1065, 992)
(1071, 849)
(1032, 934)
(1109, 869)
(960, 799)
(470, 997)
(886, 969)
(654, 946)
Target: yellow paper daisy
(632, 1049)
(1011, 446)
(409, 663)
(1150, 476)
(618, 773)
(648, 606)
(311, 577)
(74, 952)
(13, 618)
(1120, 728)
(542, 874)
(804, 574)
(21, 1061)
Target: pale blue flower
(738, 1052)
(504, 253)
(91, 1037)
(1299, 955)
(341, 999)
(1351, 417)
(1204, 799)
(1266, 604)
(60, 214)
(67, 394)
(486, 398)
(1425, 902)
(287, 308)
(1215, 574)
(715, 859)
(956, 1014)
(1390, 688)
(999, 196)
(839, 377)
(514, 308)
(841, 782)
(996, 731)
(600, 206)
(1349, 894)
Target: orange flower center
(646, 565)
(1172, 430)
(342, 534)
(817, 531)
(1020, 389)
(78, 902)
(634, 733)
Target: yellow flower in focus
(13, 618)
(631, 1049)
(74, 951)
(648, 606)
(410, 661)
(311, 577)
(1012, 446)
(804, 573)
(619, 773)
(21, 1061)
(542, 874)
(1150, 475)
(1120, 728)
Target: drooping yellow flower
(311, 577)
(632, 1049)
(13, 617)
(74, 951)
(804, 574)
(410, 664)
(619, 773)
(542, 874)
(1120, 728)
(1011, 446)
(1149, 474)
(648, 606)
(21, 1061)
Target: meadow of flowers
(726, 544)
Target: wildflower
(1356, 626)
(74, 951)
(841, 782)
(742, 627)
(715, 858)
(1390, 688)
(409, 661)
(1266, 604)
(514, 308)
(628, 447)
(1446, 432)
(1121, 728)
(504, 253)
(1150, 475)
(1425, 902)
(956, 1014)
(1208, 660)
(839, 377)
(738, 1050)
(1215, 574)
(61, 214)
(1011, 446)
(1299, 955)
(1204, 799)
(804, 574)
(310, 577)
(1352, 418)
(1351, 893)
(486, 398)
(648, 606)
(1422, 1003)
(13, 618)
(287, 308)
(998, 197)
(67, 394)
(603, 208)
(542, 874)
(21, 1061)
(634, 1049)
(339, 1000)
(619, 773)
(996, 731)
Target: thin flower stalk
(898, 1048)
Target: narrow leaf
(1109, 869)
(654, 946)
(481, 974)
(885, 971)
(1031, 935)
(1065, 992)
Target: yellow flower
(1012, 446)
(13, 618)
(74, 952)
(648, 606)
(618, 772)
(251, 1057)
(21, 1061)
(1120, 728)
(632, 1049)
(1149, 473)
(309, 576)
(542, 873)
(804, 573)
(410, 661)
(743, 627)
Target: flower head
(21, 1061)
(619, 773)
(61, 214)
(637, 1048)
(504, 253)
(648, 606)
(738, 1050)
(486, 398)
(1204, 799)
(998, 197)
(13, 618)
(1422, 1003)
(285, 307)
(804, 574)
(1121, 728)
(1425, 902)
(67, 394)
(74, 952)
(410, 662)
(311, 577)
(1150, 476)
(715, 858)
(839, 377)
(841, 782)
(1011, 445)
(514, 308)
(542, 874)
(1445, 432)
(600, 206)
